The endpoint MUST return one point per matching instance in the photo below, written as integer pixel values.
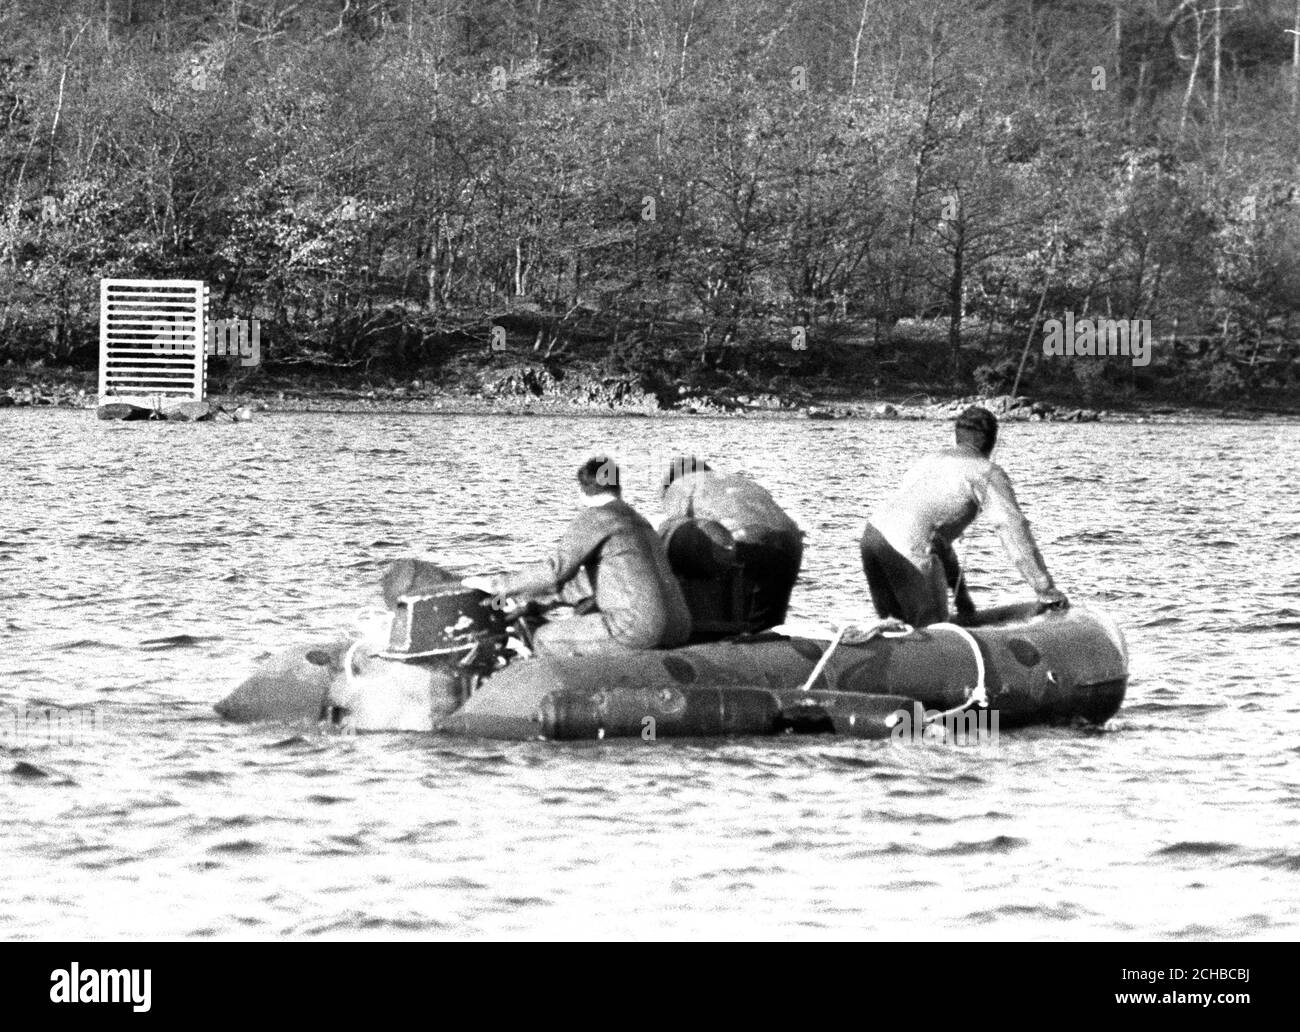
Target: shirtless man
(907, 551)
(611, 565)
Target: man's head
(977, 427)
(684, 465)
(598, 479)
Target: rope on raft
(349, 675)
(979, 695)
(889, 627)
(826, 658)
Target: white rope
(349, 676)
(826, 658)
(449, 651)
(979, 695)
(889, 627)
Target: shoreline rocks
(529, 389)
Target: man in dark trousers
(611, 565)
(769, 544)
(907, 551)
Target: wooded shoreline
(528, 389)
(819, 202)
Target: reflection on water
(145, 566)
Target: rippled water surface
(143, 568)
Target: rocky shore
(53, 393)
(531, 390)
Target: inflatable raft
(1014, 666)
(1028, 669)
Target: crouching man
(755, 594)
(611, 566)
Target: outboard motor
(451, 625)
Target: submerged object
(1020, 665)
(189, 411)
(123, 411)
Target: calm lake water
(151, 818)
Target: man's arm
(577, 589)
(953, 575)
(676, 499)
(1000, 506)
(550, 576)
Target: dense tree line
(374, 179)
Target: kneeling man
(907, 551)
(611, 565)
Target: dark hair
(600, 475)
(684, 465)
(977, 427)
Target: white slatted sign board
(152, 336)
